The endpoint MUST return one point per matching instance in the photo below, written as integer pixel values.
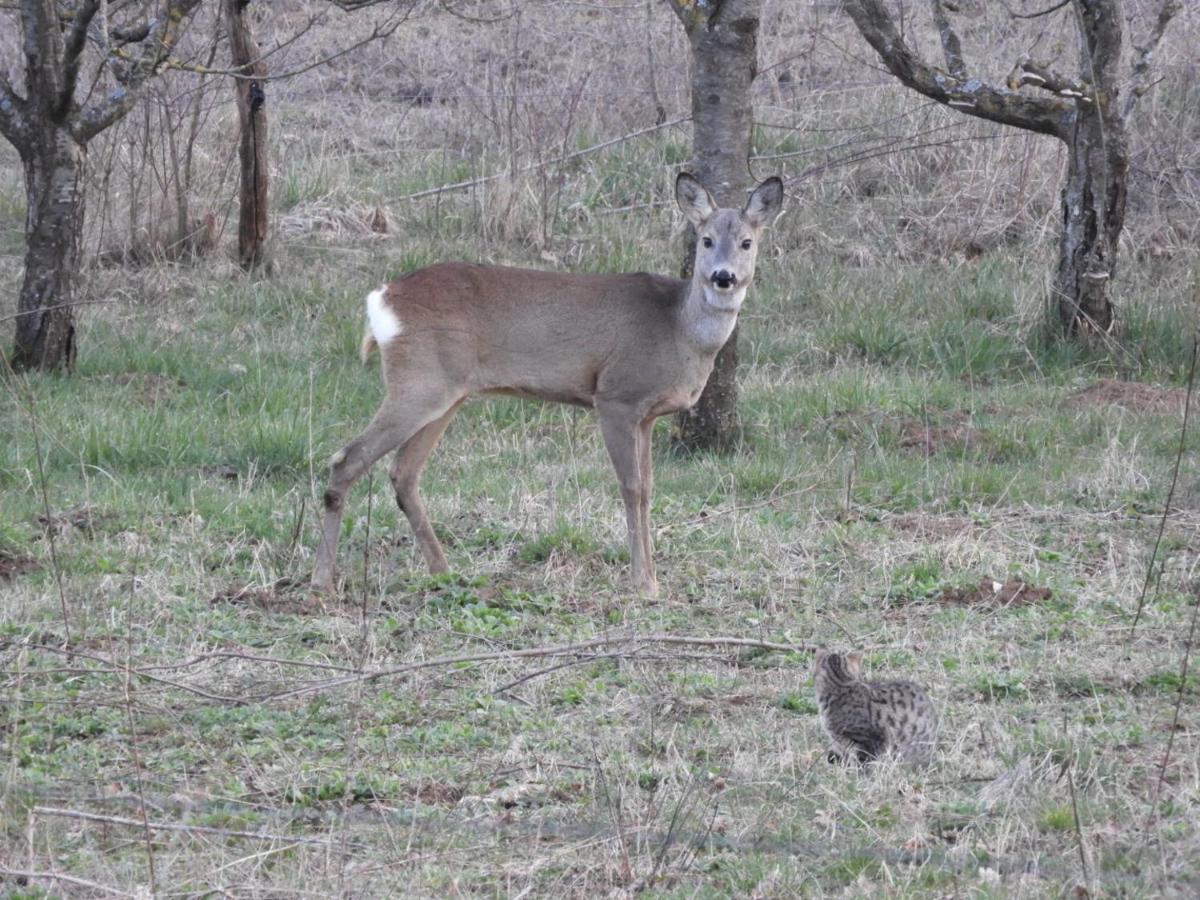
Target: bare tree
(1085, 111)
(723, 35)
(50, 125)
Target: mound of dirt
(920, 525)
(930, 439)
(1130, 395)
(988, 592)
(12, 566)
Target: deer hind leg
(396, 422)
(406, 474)
(627, 438)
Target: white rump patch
(384, 323)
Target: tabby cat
(866, 719)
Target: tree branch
(73, 49)
(13, 109)
(164, 34)
(973, 96)
(1140, 81)
(693, 12)
(951, 45)
(1035, 15)
(43, 50)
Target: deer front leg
(627, 439)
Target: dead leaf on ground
(1013, 592)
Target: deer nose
(723, 278)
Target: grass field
(923, 474)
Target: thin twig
(127, 696)
(1162, 525)
(45, 309)
(484, 179)
(41, 470)
(174, 826)
(583, 660)
(1183, 673)
(1083, 860)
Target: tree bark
(724, 56)
(253, 200)
(45, 327)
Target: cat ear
(854, 662)
(818, 657)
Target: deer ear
(765, 203)
(854, 662)
(694, 199)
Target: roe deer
(634, 347)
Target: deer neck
(709, 316)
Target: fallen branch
(114, 668)
(174, 826)
(65, 879)
(631, 644)
(616, 646)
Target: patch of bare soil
(988, 592)
(930, 439)
(286, 595)
(923, 526)
(12, 566)
(435, 793)
(1130, 395)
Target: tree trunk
(1097, 174)
(252, 151)
(1093, 205)
(724, 52)
(45, 329)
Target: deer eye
(746, 244)
(707, 241)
